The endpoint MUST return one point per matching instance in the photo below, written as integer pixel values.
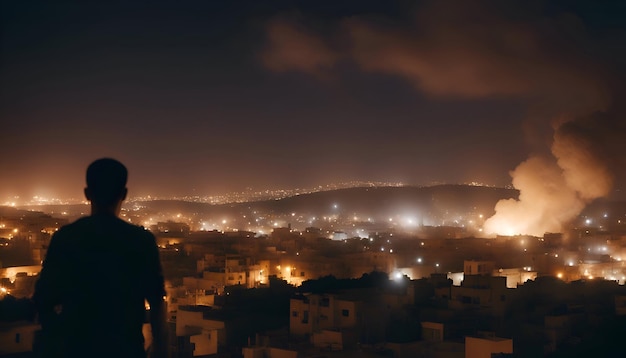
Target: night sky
(213, 96)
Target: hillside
(372, 201)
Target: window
(17, 338)
(305, 317)
(325, 302)
(436, 335)
(301, 273)
(502, 298)
(345, 313)
(294, 314)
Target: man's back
(100, 270)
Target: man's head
(106, 183)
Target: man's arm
(155, 295)
(159, 328)
(50, 284)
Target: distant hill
(434, 201)
(432, 204)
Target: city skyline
(205, 99)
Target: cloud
(454, 48)
(291, 47)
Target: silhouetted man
(97, 274)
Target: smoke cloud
(487, 49)
(294, 48)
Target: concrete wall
(17, 337)
(484, 347)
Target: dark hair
(106, 181)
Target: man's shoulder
(70, 228)
(95, 223)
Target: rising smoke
(486, 49)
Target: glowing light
(419, 260)
(559, 275)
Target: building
(487, 345)
(17, 337)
